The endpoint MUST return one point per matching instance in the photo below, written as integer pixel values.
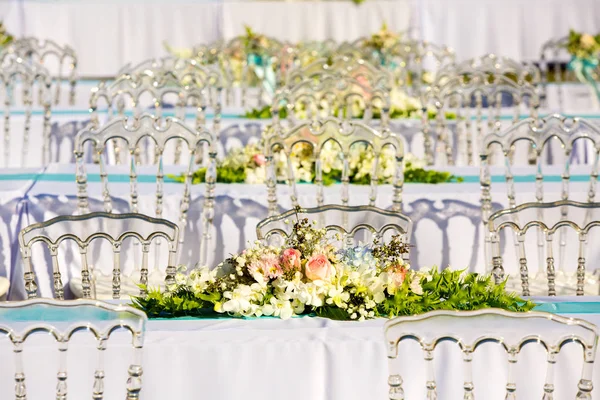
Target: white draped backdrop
(108, 34)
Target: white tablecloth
(447, 217)
(268, 359)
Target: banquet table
(447, 217)
(300, 358)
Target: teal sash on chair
(264, 72)
(584, 70)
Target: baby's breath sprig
(390, 253)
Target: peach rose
(397, 275)
(259, 160)
(291, 259)
(319, 268)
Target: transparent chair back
(134, 94)
(565, 274)
(20, 79)
(254, 66)
(54, 57)
(308, 52)
(553, 55)
(159, 133)
(474, 334)
(332, 95)
(343, 134)
(359, 69)
(465, 96)
(189, 73)
(491, 64)
(418, 62)
(88, 229)
(353, 225)
(68, 324)
(536, 135)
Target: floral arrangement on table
(248, 165)
(5, 37)
(309, 275)
(403, 106)
(382, 45)
(585, 51)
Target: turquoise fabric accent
(53, 314)
(584, 70)
(123, 178)
(264, 71)
(570, 307)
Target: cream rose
(587, 41)
(319, 268)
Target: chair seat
(103, 283)
(4, 285)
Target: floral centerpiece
(382, 44)
(403, 106)
(5, 37)
(248, 165)
(585, 50)
(309, 275)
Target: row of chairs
(338, 85)
(515, 333)
(354, 223)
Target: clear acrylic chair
(39, 51)
(554, 51)
(345, 134)
(65, 321)
(359, 69)
(492, 64)
(549, 219)
(160, 132)
(187, 72)
(98, 226)
(537, 134)
(307, 52)
(354, 224)
(513, 333)
(416, 58)
(465, 96)
(17, 73)
(254, 65)
(337, 95)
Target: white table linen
(300, 358)
(447, 217)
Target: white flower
(338, 296)
(415, 285)
(239, 299)
(312, 293)
(278, 308)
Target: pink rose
(291, 259)
(259, 160)
(319, 268)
